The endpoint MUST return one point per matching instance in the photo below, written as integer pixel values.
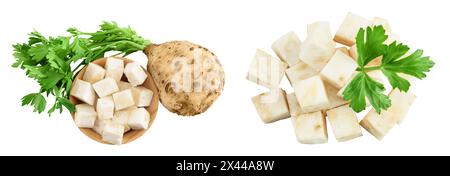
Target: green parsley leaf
(38, 52)
(415, 65)
(51, 79)
(363, 86)
(36, 100)
(370, 43)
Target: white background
(232, 29)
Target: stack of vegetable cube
(112, 106)
(318, 71)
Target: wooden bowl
(152, 109)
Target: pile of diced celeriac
(112, 106)
(318, 71)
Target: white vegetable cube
(105, 108)
(271, 106)
(346, 33)
(383, 22)
(287, 48)
(339, 69)
(83, 91)
(294, 106)
(123, 85)
(321, 31)
(299, 72)
(113, 133)
(94, 73)
(333, 97)
(318, 47)
(100, 125)
(121, 117)
(344, 122)
(380, 124)
(123, 99)
(105, 87)
(266, 70)
(85, 116)
(400, 104)
(114, 68)
(135, 73)
(139, 119)
(142, 96)
(315, 54)
(311, 128)
(311, 94)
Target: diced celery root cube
(114, 68)
(105, 108)
(266, 70)
(400, 104)
(135, 73)
(83, 91)
(311, 94)
(113, 133)
(311, 128)
(123, 85)
(339, 70)
(271, 106)
(344, 122)
(123, 99)
(85, 116)
(139, 119)
(346, 33)
(142, 96)
(105, 87)
(333, 98)
(321, 30)
(318, 47)
(121, 117)
(100, 125)
(299, 72)
(287, 48)
(294, 106)
(380, 124)
(94, 73)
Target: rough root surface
(185, 94)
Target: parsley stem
(368, 68)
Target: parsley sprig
(370, 45)
(49, 60)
